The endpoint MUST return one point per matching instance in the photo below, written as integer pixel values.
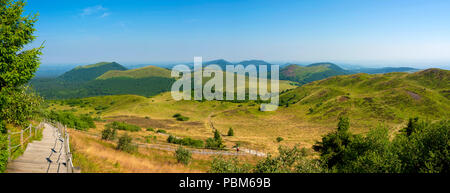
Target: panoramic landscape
(366, 105)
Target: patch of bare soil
(141, 121)
(415, 96)
(153, 123)
(343, 98)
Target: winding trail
(210, 125)
(45, 156)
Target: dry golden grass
(93, 155)
(108, 159)
(253, 129)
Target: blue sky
(366, 32)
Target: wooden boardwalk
(45, 156)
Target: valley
(306, 113)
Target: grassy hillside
(104, 79)
(310, 73)
(90, 72)
(307, 112)
(393, 96)
(144, 72)
(86, 81)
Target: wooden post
(31, 128)
(21, 138)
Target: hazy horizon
(413, 33)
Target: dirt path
(210, 125)
(45, 156)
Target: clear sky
(367, 32)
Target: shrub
(183, 155)
(150, 129)
(3, 129)
(422, 148)
(125, 144)
(109, 133)
(279, 139)
(3, 152)
(3, 147)
(185, 141)
(161, 131)
(221, 165)
(217, 135)
(150, 138)
(333, 145)
(82, 122)
(230, 132)
(123, 126)
(216, 142)
(286, 162)
(18, 105)
(180, 117)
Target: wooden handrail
(64, 136)
(22, 141)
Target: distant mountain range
(384, 70)
(109, 78)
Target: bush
(123, 126)
(221, 165)
(185, 141)
(422, 147)
(3, 129)
(230, 132)
(332, 147)
(150, 138)
(18, 105)
(82, 122)
(3, 147)
(286, 162)
(125, 144)
(109, 134)
(161, 131)
(150, 129)
(183, 155)
(180, 117)
(3, 152)
(279, 139)
(216, 142)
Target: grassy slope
(306, 74)
(393, 97)
(149, 71)
(368, 99)
(89, 72)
